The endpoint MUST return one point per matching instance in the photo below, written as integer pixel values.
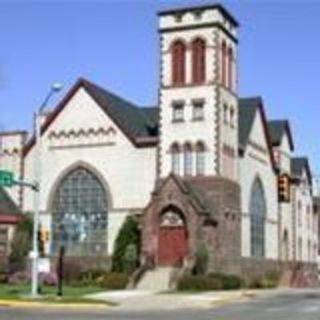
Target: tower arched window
(200, 158)
(178, 62)
(175, 158)
(187, 150)
(224, 63)
(198, 61)
(257, 219)
(230, 68)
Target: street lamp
(56, 87)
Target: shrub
(126, 250)
(131, 258)
(21, 245)
(202, 258)
(214, 281)
(198, 283)
(270, 280)
(3, 278)
(232, 282)
(19, 277)
(90, 277)
(48, 278)
(113, 281)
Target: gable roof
(298, 164)
(277, 128)
(247, 111)
(137, 124)
(248, 107)
(201, 196)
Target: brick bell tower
(198, 92)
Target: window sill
(197, 119)
(178, 121)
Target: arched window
(230, 69)
(285, 246)
(198, 61)
(224, 64)
(232, 117)
(300, 249)
(187, 159)
(79, 215)
(200, 158)
(178, 62)
(257, 219)
(175, 159)
(225, 114)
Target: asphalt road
(303, 305)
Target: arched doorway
(257, 219)
(173, 238)
(79, 215)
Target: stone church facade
(200, 168)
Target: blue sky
(115, 43)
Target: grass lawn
(70, 294)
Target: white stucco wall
(11, 145)
(306, 221)
(285, 209)
(256, 164)
(128, 173)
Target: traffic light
(284, 188)
(43, 238)
(40, 243)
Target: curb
(41, 304)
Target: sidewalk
(135, 300)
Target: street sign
(6, 178)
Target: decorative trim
(202, 26)
(217, 127)
(13, 133)
(183, 10)
(80, 146)
(188, 85)
(81, 132)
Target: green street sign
(6, 178)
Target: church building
(202, 167)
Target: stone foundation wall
(292, 274)
(223, 237)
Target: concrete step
(156, 280)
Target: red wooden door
(173, 245)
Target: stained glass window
(257, 217)
(79, 215)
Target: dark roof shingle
(299, 164)
(131, 118)
(277, 128)
(247, 111)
